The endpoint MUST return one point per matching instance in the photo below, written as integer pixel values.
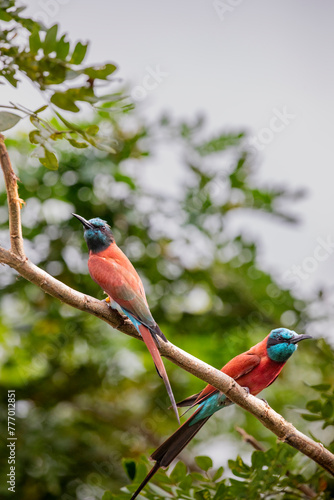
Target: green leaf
(327, 409)
(78, 144)
(221, 492)
(218, 474)
(311, 418)
(8, 120)
(42, 108)
(68, 124)
(130, 468)
(197, 476)
(35, 41)
(101, 72)
(50, 42)
(239, 468)
(63, 101)
(321, 387)
(186, 483)
(49, 161)
(219, 143)
(179, 472)
(79, 53)
(36, 122)
(4, 16)
(203, 495)
(107, 495)
(205, 463)
(35, 137)
(126, 179)
(314, 406)
(92, 130)
(62, 48)
(258, 459)
(141, 472)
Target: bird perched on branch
(254, 370)
(111, 269)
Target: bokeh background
(236, 65)
(220, 213)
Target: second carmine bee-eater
(255, 370)
(111, 269)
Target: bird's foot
(247, 390)
(265, 402)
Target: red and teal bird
(255, 370)
(111, 269)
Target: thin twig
(250, 439)
(16, 259)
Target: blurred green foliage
(88, 397)
(268, 476)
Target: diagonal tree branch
(16, 259)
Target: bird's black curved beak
(84, 222)
(299, 338)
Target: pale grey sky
(242, 64)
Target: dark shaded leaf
(327, 409)
(259, 459)
(63, 101)
(314, 406)
(311, 418)
(130, 468)
(203, 495)
(321, 387)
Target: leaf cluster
(58, 71)
(267, 476)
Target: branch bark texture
(16, 259)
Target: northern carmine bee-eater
(111, 269)
(254, 369)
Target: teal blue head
(97, 233)
(282, 343)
